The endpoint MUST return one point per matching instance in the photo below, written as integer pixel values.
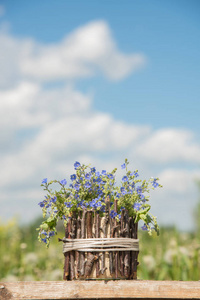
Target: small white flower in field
(169, 255)
(23, 246)
(173, 243)
(184, 251)
(149, 262)
(30, 258)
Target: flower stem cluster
(88, 189)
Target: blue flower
(68, 204)
(76, 165)
(137, 206)
(88, 176)
(139, 190)
(136, 174)
(51, 233)
(124, 178)
(103, 172)
(97, 174)
(93, 170)
(123, 191)
(44, 181)
(123, 166)
(87, 185)
(54, 199)
(77, 186)
(41, 204)
(73, 177)
(110, 176)
(63, 182)
(155, 183)
(113, 214)
(144, 227)
(44, 240)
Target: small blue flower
(97, 174)
(44, 181)
(123, 191)
(51, 233)
(155, 183)
(87, 185)
(77, 186)
(44, 240)
(88, 176)
(113, 214)
(73, 177)
(144, 227)
(54, 199)
(93, 170)
(63, 182)
(137, 206)
(123, 166)
(68, 204)
(139, 190)
(103, 172)
(110, 176)
(41, 204)
(136, 174)
(76, 165)
(124, 178)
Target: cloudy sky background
(98, 82)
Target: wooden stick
(66, 254)
(127, 253)
(121, 254)
(78, 237)
(97, 235)
(72, 254)
(90, 255)
(83, 236)
(116, 235)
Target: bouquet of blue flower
(89, 190)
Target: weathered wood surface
(121, 289)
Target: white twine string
(100, 244)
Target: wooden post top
(119, 289)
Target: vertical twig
(97, 235)
(78, 237)
(83, 236)
(72, 255)
(121, 253)
(127, 253)
(90, 256)
(66, 254)
(116, 235)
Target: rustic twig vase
(94, 257)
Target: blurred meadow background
(97, 82)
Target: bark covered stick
(116, 235)
(127, 253)
(66, 254)
(83, 236)
(121, 253)
(90, 256)
(72, 254)
(97, 235)
(78, 237)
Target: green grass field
(171, 256)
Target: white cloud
(83, 53)
(170, 145)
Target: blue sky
(129, 71)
